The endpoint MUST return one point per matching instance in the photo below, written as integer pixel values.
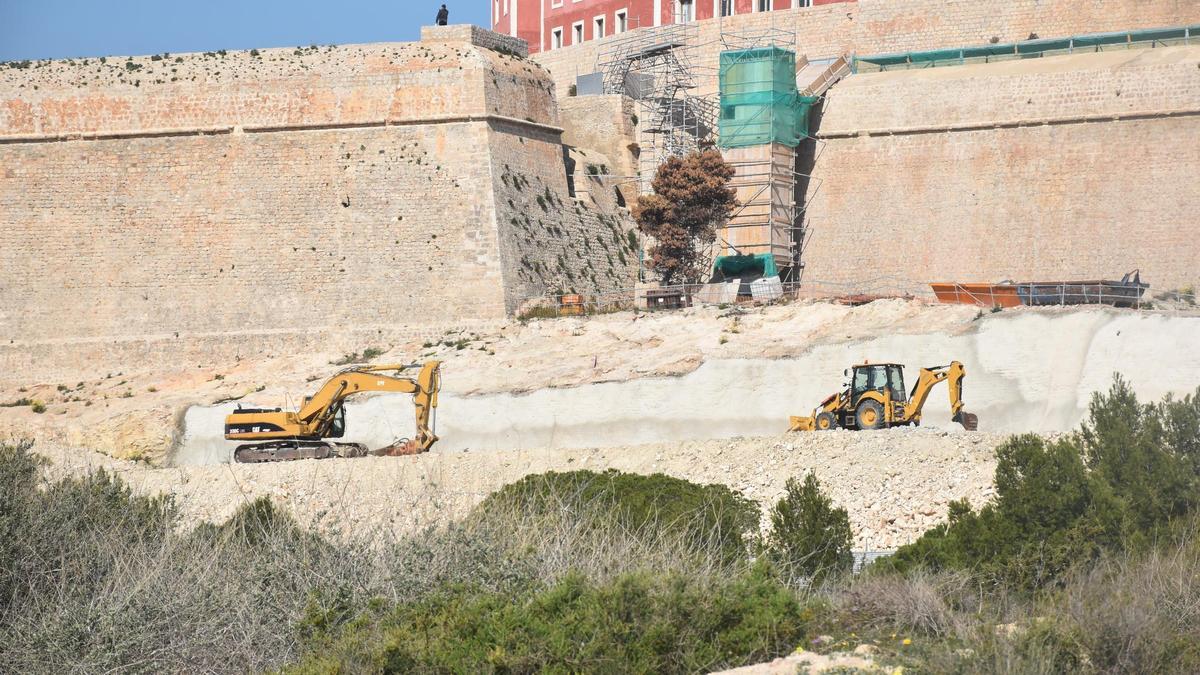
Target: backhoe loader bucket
(970, 421)
(802, 423)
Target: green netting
(733, 265)
(1030, 48)
(759, 101)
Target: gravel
(895, 484)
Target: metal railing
(1032, 48)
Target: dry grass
(105, 581)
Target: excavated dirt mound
(895, 483)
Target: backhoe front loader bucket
(970, 421)
(802, 423)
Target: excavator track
(291, 450)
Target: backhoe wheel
(826, 421)
(870, 415)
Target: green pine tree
(809, 538)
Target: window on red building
(556, 38)
(622, 17)
(597, 28)
(685, 11)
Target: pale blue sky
(40, 29)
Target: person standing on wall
(443, 16)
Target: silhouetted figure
(443, 16)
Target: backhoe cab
(875, 398)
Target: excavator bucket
(802, 423)
(399, 449)
(970, 421)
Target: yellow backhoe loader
(305, 434)
(875, 398)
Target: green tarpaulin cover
(734, 265)
(759, 100)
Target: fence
(999, 296)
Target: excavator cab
(337, 428)
(885, 378)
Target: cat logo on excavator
(875, 398)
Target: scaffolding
(655, 68)
(773, 180)
(760, 127)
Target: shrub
(641, 623)
(707, 516)
(354, 357)
(1119, 483)
(809, 537)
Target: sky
(55, 29)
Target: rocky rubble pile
(895, 484)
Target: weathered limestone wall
(271, 89)
(881, 26)
(1068, 167)
(203, 206)
(557, 243)
(472, 34)
(606, 123)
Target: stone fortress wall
(203, 206)
(1067, 167)
(208, 206)
(1063, 167)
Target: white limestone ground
(1026, 371)
(894, 484)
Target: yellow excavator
(875, 399)
(280, 435)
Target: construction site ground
(702, 394)
(895, 483)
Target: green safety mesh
(733, 265)
(759, 101)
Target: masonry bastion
(202, 206)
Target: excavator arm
(953, 375)
(319, 412)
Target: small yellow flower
(907, 642)
(898, 671)
(799, 650)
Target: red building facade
(554, 24)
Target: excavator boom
(306, 433)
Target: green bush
(1118, 484)
(809, 537)
(641, 623)
(711, 516)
